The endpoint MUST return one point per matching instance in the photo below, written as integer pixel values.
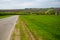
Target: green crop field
(44, 27)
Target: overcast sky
(20, 4)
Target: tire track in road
(27, 32)
(17, 34)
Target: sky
(21, 4)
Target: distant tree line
(32, 11)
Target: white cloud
(27, 4)
(56, 2)
(6, 0)
(9, 4)
(16, 5)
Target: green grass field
(46, 27)
(43, 27)
(4, 16)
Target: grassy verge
(43, 26)
(4, 16)
(21, 30)
(19, 26)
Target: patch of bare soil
(17, 34)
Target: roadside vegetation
(38, 27)
(21, 33)
(4, 16)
